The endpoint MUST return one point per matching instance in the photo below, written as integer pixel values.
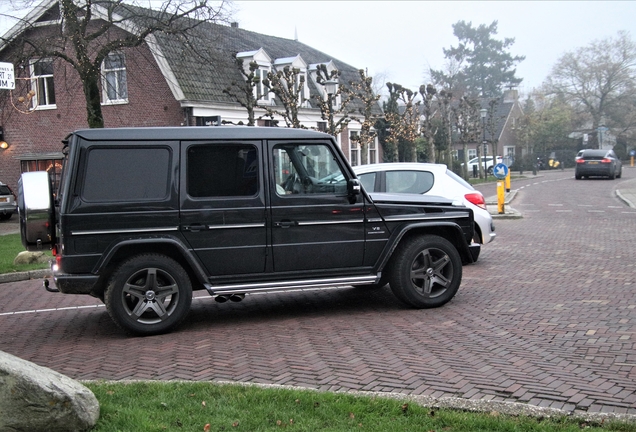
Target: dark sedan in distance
(597, 163)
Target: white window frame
(43, 85)
(261, 89)
(121, 98)
(509, 150)
(472, 153)
(372, 151)
(354, 149)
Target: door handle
(195, 227)
(285, 224)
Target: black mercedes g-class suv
(144, 216)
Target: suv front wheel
(148, 294)
(426, 271)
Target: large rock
(31, 258)
(35, 398)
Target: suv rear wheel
(148, 294)
(426, 272)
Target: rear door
(223, 205)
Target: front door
(314, 225)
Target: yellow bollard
(508, 182)
(501, 197)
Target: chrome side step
(214, 290)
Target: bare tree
(91, 30)
(336, 115)
(365, 93)
(600, 80)
(243, 92)
(404, 122)
(428, 93)
(467, 121)
(288, 86)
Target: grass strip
(184, 406)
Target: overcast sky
(402, 39)
(399, 41)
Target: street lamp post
(331, 87)
(482, 113)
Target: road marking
(556, 205)
(51, 310)
(596, 211)
(563, 211)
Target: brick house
(156, 84)
(507, 115)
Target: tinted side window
(417, 182)
(222, 170)
(126, 174)
(307, 169)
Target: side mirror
(353, 187)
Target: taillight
(477, 199)
(54, 250)
(606, 160)
(582, 161)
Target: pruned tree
(288, 86)
(367, 115)
(599, 80)
(243, 92)
(403, 120)
(336, 115)
(468, 124)
(91, 30)
(428, 129)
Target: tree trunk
(94, 116)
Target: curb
(510, 213)
(21, 276)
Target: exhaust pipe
(232, 297)
(221, 298)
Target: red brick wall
(150, 103)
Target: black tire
(612, 176)
(148, 294)
(578, 176)
(425, 272)
(620, 173)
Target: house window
(114, 82)
(261, 90)
(472, 153)
(373, 152)
(322, 126)
(354, 148)
(509, 150)
(42, 83)
(300, 87)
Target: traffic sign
(500, 171)
(7, 80)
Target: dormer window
(300, 84)
(264, 63)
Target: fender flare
(186, 254)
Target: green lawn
(158, 407)
(10, 247)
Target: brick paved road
(547, 317)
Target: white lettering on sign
(7, 78)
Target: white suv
(475, 162)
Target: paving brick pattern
(546, 317)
